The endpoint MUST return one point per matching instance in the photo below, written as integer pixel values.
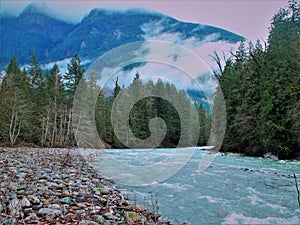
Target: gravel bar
(57, 186)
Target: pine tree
(137, 121)
(117, 89)
(204, 123)
(35, 72)
(121, 129)
(38, 92)
(73, 76)
(103, 118)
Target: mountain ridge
(52, 39)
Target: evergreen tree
(117, 89)
(54, 122)
(115, 141)
(137, 120)
(38, 96)
(73, 76)
(35, 72)
(204, 123)
(103, 118)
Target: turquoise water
(232, 190)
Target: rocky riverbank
(57, 186)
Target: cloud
(203, 48)
(185, 71)
(184, 62)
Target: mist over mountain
(32, 31)
(37, 30)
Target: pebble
(54, 206)
(105, 191)
(98, 219)
(32, 216)
(14, 208)
(65, 194)
(80, 212)
(27, 211)
(81, 205)
(25, 202)
(33, 199)
(88, 222)
(37, 206)
(48, 211)
(109, 216)
(65, 200)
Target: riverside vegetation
(261, 87)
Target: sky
(249, 18)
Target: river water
(232, 190)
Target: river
(232, 190)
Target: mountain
(32, 31)
(35, 30)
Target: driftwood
(296, 183)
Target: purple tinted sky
(249, 18)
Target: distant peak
(36, 7)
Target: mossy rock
(133, 217)
(100, 188)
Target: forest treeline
(260, 83)
(261, 86)
(36, 107)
